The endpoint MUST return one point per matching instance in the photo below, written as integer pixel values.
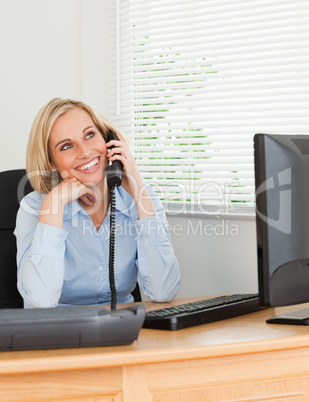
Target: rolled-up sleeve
(40, 260)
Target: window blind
(192, 81)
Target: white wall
(40, 59)
(48, 48)
(58, 48)
(216, 256)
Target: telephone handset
(115, 170)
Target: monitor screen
(282, 218)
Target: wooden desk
(240, 359)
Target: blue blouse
(69, 266)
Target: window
(191, 82)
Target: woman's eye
(65, 146)
(90, 134)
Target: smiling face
(77, 147)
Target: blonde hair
(38, 160)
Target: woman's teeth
(89, 165)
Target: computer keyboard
(202, 312)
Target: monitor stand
(297, 317)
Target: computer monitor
(282, 221)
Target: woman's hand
(131, 179)
(69, 190)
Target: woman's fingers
(87, 200)
(70, 189)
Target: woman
(62, 227)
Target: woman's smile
(89, 167)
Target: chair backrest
(14, 186)
(136, 293)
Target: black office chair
(136, 293)
(14, 185)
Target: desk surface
(235, 336)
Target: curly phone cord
(112, 252)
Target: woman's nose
(83, 151)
